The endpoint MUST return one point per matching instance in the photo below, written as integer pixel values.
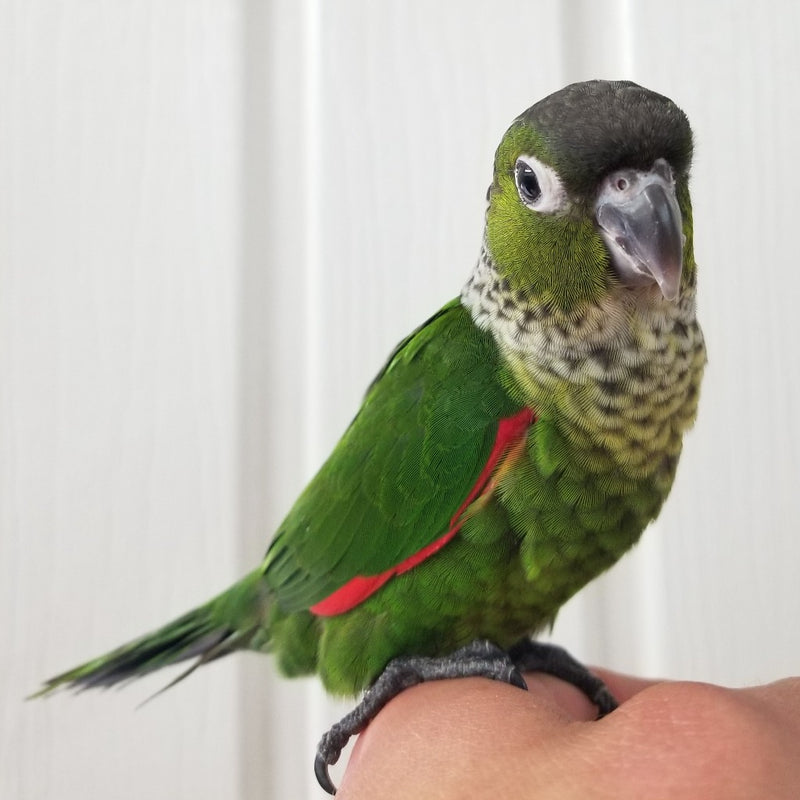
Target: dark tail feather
(223, 625)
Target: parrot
(510, 449)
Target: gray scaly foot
(479, 659)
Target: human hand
(474, 738)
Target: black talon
(533, 656)
(323, 776)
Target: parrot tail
(225, 624)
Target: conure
(511, 448)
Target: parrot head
(590, 195)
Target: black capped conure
(510, 449)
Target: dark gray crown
(592, 128)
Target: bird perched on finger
(511, 448)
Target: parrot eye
(538, 186)
(527, 183)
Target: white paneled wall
(216, 218)
(120, 228)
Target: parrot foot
(531, 656)
(479, 659)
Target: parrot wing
(434, 425)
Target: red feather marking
(510, 432)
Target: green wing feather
(391, 486)
(403, 467)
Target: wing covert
(403, 467)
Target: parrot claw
(532, 656)
(479, 659)
(322, 774)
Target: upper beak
(640, 221)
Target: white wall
(216, 218)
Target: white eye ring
(539, 186)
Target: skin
(476, 738)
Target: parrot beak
(640, 222)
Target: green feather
(402, 468)
(221, 626)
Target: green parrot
(511, 448)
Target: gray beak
(640, 221)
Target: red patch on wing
(510, 433)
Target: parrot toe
(531, 656)
(481, 658)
